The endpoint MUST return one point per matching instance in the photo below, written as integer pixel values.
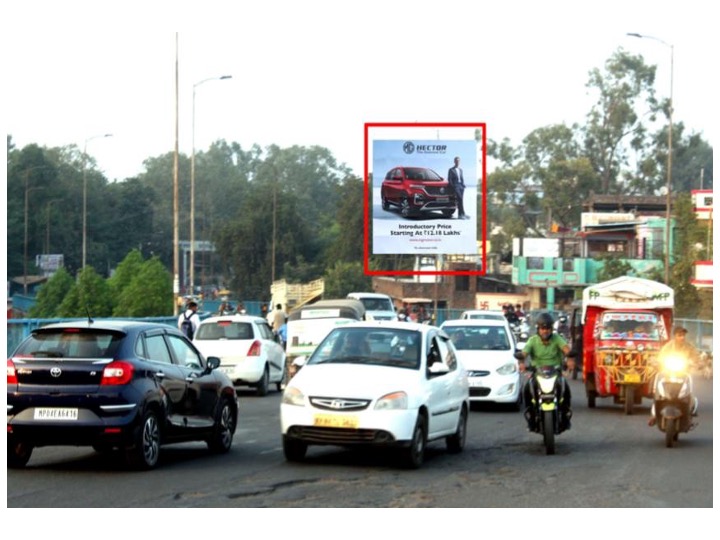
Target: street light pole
(669, 152)
(192, 182)
(84, 169)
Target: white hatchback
(250, 353)
(384, 384)
(486, 349)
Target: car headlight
(293, 396)
(507, 369)
(674, 364)
(392, 402)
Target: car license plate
(45, 413)
(336, 420)
(443, 199)
(475, 382)
(632, 378)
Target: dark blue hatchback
(123, 385)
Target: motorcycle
(546, 400)
(673, 403)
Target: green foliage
(612, 267)
(344, 278)
(688, 236)
(51, 295)
(149, 294)
(124, 274)
(89, 296)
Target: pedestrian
(189, 319)
(278, 318)
(457, 181)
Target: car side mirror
(299, 361)
(213, 362)
(438, 368)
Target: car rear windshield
(71, 343)
(478, 338)
(224, 330)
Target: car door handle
(160, 374)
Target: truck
(618, 330)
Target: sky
(314, 72)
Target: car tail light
(117, 373)
(254, 348)
(11, 373)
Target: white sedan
(388, 384)
(486, 349)
(250, 353)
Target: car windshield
(372, 346)
(478, 338)
(628, 325)
(417, 173)
(377, 304)
(486, 316)
(70, 343)
(213, 330)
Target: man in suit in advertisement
(455, 177)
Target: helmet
(544, 320)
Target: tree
(612, 268)
(149, 294)
(344, 278)
(51, 294)
(124, 274)
(689, 235)
(615, 130)
(89, 297)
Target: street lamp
(192, 183)
(84, 169)
(669, 151)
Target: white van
(378, 307)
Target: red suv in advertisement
(416, 191)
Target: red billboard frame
(367, 195)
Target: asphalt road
(607, 460)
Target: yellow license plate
(336, 420)
(632, 378)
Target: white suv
(250, 353)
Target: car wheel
(144, 451)
(405, 210)
(456, 443)
(385, 204)
(414, 455)
(18, 453)
(294, 450)
(222, 437)
(448, 213)
(517, 404)
(263, 384)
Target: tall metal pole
(668, 187)
(192, 183)
(84, 169)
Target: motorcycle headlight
(392, 402)
(293, 396)
(674, 363)
(507, 369)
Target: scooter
(546, 400)
(673, 402)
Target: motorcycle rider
(677, 346)
(545, 349)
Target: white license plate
(442, 199)
(45, 413)
(227, 369)
(475, 382)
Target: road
(607, 460)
